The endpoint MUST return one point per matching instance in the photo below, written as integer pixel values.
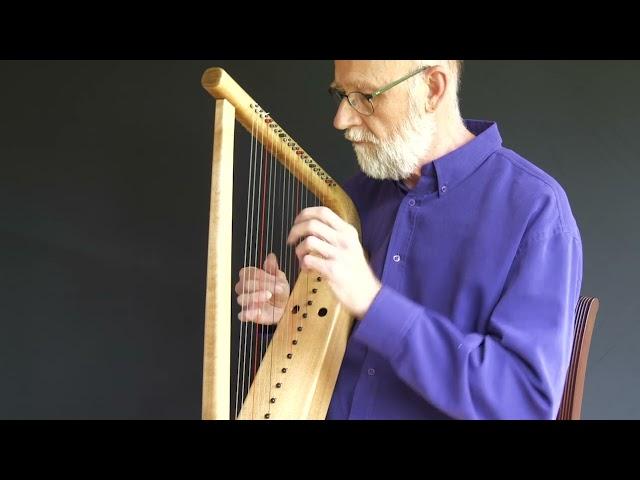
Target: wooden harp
(299, 368)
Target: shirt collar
(444, 173)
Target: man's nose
(346, 117)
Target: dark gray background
(104, 198)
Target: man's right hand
(262, 294)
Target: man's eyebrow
(358, 86)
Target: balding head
(416, 108)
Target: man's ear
(437, 83)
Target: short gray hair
(454, 66)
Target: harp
(300, 364)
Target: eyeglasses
(363, 102)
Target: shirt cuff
(386, 322)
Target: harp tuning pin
(299, 329)
(267, 416)
(289, 355)
(304, 315)
(278, 385)
(295, 342)
(284, 370)
(273, 400)
(315, 290)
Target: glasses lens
(360, 103)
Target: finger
(257, 316)
(324, 214)
(248, 315)
(254, 279)
(271, 264)
(276, 287)
(317, 264)
(251, 273)
(313, 227)
(254, 299)
(272, 267)
(312, 245)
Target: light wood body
(304, 390)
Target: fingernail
(269, 295)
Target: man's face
(390, 143)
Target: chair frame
(585, 318)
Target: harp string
(288, 254)
(247, 342)
(268, 183)
(271, 228)
(306, 204)
(241, 362)
(264, 248)
(277, 191)
(257, 201)
(258, 261)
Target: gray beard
(402, 154)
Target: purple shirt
(481, 267)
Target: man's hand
(262, 294)
(331, 247)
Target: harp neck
(260, 124)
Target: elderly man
(465, 307)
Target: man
(465, 308)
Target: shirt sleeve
(516, 368)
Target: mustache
(353, 135)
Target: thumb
(271, 264)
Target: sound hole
(322, 312)
(295, 309)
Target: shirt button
(396, 258)
(443, 189)
(412, 202)
(371, 372)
